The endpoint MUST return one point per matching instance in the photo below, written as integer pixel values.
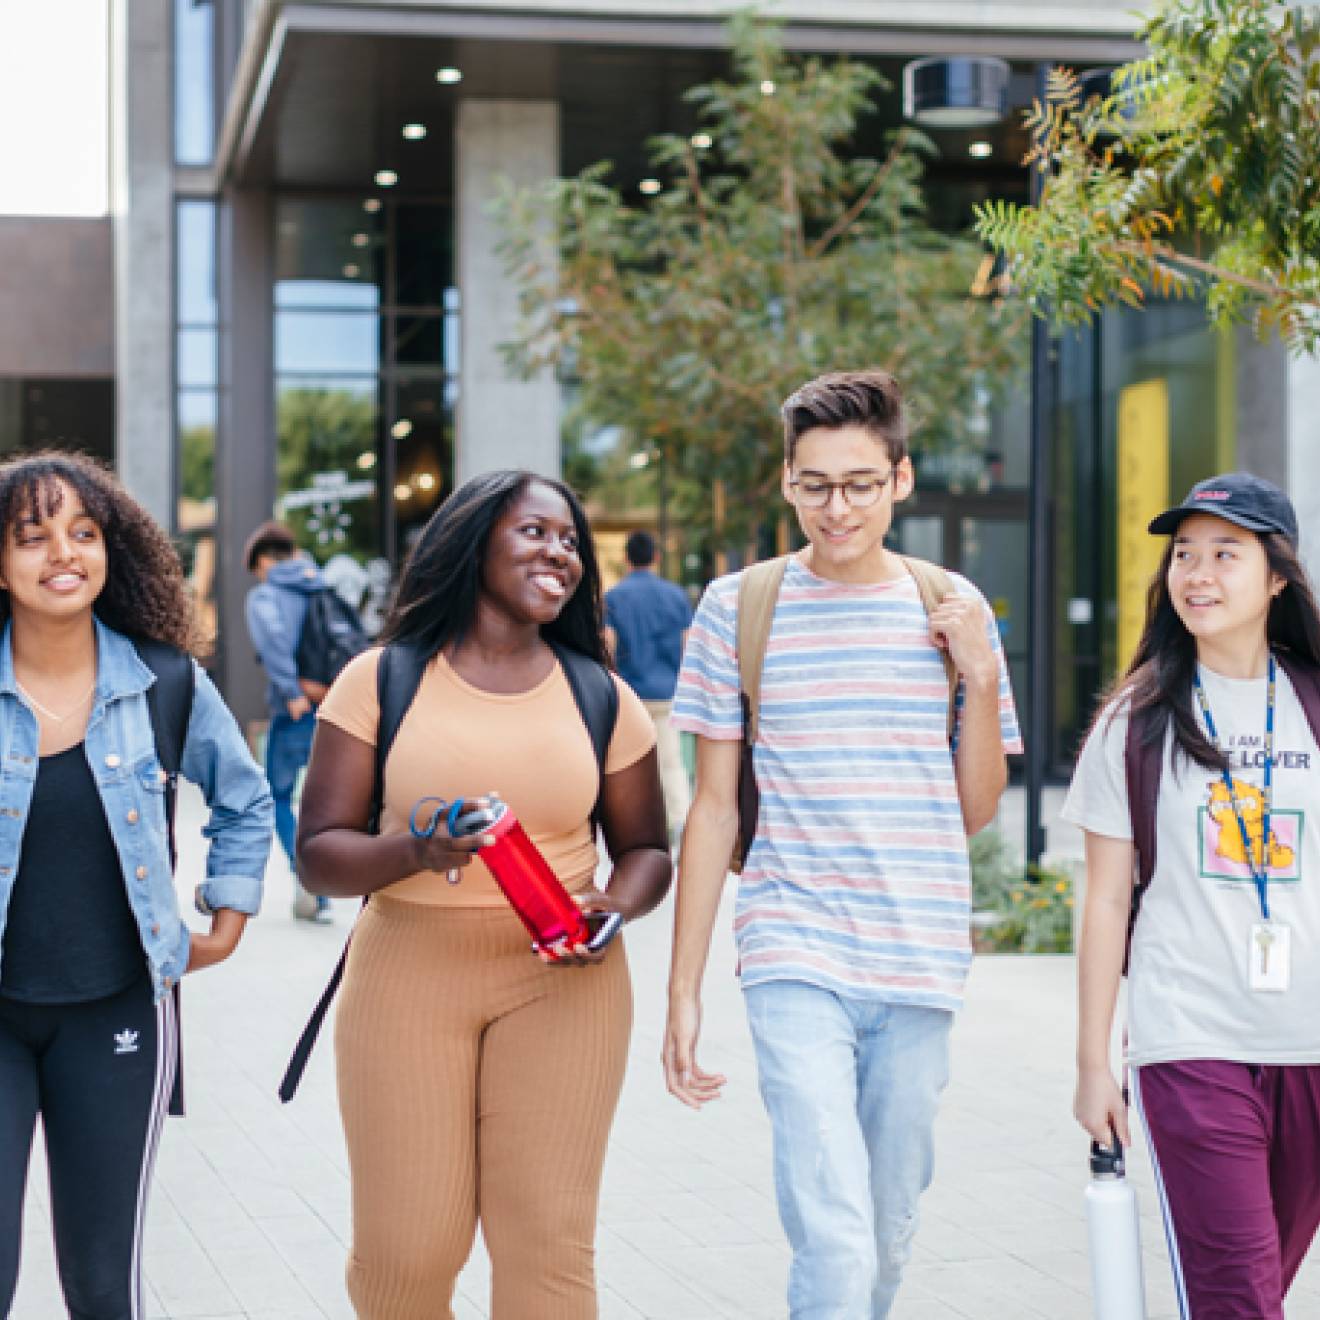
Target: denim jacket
(121, 752)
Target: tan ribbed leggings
(475, 1084)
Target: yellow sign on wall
(1143, 491)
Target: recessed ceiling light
(767, 88)
(426, 481)
(414, 132)
(702, 141)
(371, 205)
(650, 186)
(980, 150)
(386, 178)
(401, 429)
(366, 461)
(449, 74)
(403, 491)
(351, 272)
(360, 240)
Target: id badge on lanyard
(1269, 943)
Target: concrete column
(1262, 408)
(502, 421)
(142, 206)
(1303, 394)
(245, 443)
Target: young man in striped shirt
(852, 916)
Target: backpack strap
(169, 705)
(1305, 679)
(1143, 766)
(398, 676)
(597, 699)
(758, 592)
(933, 585)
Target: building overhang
(318, 89)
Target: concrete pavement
(249, 1217)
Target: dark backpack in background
(332, 634)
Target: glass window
(307, 342)
(423, 254)
(196, 258)
(328, 253)
(326, 464)
(194, 82)
(422, 435)
(197, 357)
(197, 409)
(420, 340)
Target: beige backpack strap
(758, 589)
(933, 585)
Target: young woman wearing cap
(1223, 1040)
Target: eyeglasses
(858, 492)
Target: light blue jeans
(851, 1087)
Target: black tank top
(70, 935)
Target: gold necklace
(50, 714)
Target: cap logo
(1213, 495)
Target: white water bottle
(1111, 1220)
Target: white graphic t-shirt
(1188, 992)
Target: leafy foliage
(1019, 909)
(769, 256)
(1200, 172)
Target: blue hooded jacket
(275, 611)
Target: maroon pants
(1236, 1151)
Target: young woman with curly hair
(476, 1083)
(92, 944)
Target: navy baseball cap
(1238, 497)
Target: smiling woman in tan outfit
(477, 1083)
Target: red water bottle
(532, 888)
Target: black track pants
(100, 1076)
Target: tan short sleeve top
(458, 741)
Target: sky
(54, 107)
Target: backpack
(758, 590)
(1143, 766)
(169, 704)
(332, 634)
(398, 676)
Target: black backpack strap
(597, 700)
(1143, 764)
(169, 703)
(398, 676)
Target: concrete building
(308, 300)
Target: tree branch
(849, 217)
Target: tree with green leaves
(769, 255)
(1198, 174)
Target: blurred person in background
(646, 623)
(276, 608)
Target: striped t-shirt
(858, 878)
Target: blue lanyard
(1260, 874)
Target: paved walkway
(250, 1212)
